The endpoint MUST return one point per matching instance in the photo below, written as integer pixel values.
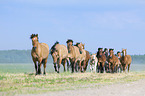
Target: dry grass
(11, 84)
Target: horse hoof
(44, 74)
(57, 71)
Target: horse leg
(98, 66)
(80, 66)
(91, 68)
(103, 68)
(84, 65)
(45, 61)
(95, 65)
(64, 61)
(117, 68)
(76, 65)
(59, 63)
(73, 65)
(39, 65)
(109, 67)
(113, 68)
(128, 67)
(67, 64)
(123, 67)
(35, 66)
(55, 66)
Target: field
(16, 79)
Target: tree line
(24, 56)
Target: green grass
(21, 79)
(29, 68)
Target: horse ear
(31, 36)
(37, 35)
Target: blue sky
(97, 23)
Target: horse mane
(53, 47)
(77, 44)
(69, 40)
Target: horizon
(106, 24)
(49, 49)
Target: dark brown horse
(125, 60)
(59, 54)
(101, 60)
(39, 52)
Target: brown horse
(75, 54)
(125, 60)
(101, 60)
(87, 58)
(39, 52)
(84, 59)
(119, 63)
(113, 61)
(59, 54)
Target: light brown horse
(75, 55)
(87, 58)
(39, 52)
(113, 61)
(59, 54)
(101, 60)
(82, 63)
(125, 60)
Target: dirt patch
(136, 88)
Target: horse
(39, 53)
(87, 58)
(119, 62)
(113, 61)
(59, 54)
(74, 55)
(101, 60)
(93, 63)
(84, 57)
(125, 60)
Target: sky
(97, 23)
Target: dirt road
(136, 88)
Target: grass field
(20, 79)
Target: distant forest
(24, 56)
(18, 56)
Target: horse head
(69, 47)
(124, 52)
(81, 47)
(34, 38)
(54, 55)
(92, 58)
